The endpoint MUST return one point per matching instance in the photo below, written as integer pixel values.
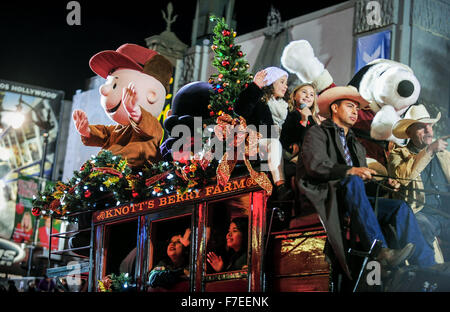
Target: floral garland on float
(106, 180)
(114, 283)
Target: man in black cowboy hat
(423, 164)
(333, 165)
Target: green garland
(106, 180)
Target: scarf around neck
(278, 109)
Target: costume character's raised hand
(129, 100)
(81, 122)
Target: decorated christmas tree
(232, 71)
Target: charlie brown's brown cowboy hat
(331, 95)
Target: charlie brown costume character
(137, 80)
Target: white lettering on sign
(27, 188)
(7, 257)
(4, 86)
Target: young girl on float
(264, 103)
(303, 114)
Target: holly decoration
(232, 76)
(106, 180)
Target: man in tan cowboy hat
(423, 164)
(331, 175)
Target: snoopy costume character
(390, 88)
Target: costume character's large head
(190, 101)
(130, 63)
(391, 88)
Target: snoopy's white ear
(384, 119)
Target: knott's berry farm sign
(154, 203)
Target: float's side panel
(200, 247)
(313, 283)
(99, 255)
(142, 253)
(299, 262)
(237, 285)
(258, 222)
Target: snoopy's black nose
(405, 88)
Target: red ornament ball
(134, 194)
(36, 211)
(240, 54)
(211, 113)
(226, 32)
(87, 194)
(225, 63)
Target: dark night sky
(37, 46)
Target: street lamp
(45, 125)
(15, 119)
